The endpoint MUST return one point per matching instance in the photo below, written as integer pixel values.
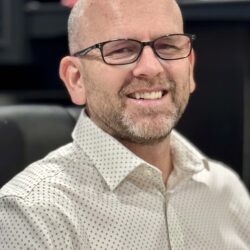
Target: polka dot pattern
(95, 194)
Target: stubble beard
(151, 130)
(152, 127)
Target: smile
(154, 95)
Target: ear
(71, 74)
(192, 84)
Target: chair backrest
(29, 132)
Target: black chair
(29, 132)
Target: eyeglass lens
(121, 51)
(126, 51)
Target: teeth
(148, 95)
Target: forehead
(138, 19)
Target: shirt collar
(188, 162)
(115, 162)
(186, 156)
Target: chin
(147, 132)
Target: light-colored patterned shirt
(96, 194)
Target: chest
(136, 219)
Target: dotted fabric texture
(96, 194)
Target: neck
(158, 155)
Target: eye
(120, 49)
(165, 47)
(168, 47)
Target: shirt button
(148, 172)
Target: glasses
(126, 51)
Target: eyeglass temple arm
(87, 50)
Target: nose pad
(148, 64)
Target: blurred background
(33, 39)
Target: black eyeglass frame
(100, 46)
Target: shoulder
(40, 223)
(221, 173)
(37, 206)
(225, 182)
(46, 173)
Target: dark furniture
(29, 132)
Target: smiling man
(137, 84)
(128, 180)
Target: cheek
(107, 78)
(104, 82)
(179, 72)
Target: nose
(148, 65)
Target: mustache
(156, 82)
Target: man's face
(163, 86)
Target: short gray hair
(74, 25)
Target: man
(128, 181)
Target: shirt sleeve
(25, 225)
(240, 210)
